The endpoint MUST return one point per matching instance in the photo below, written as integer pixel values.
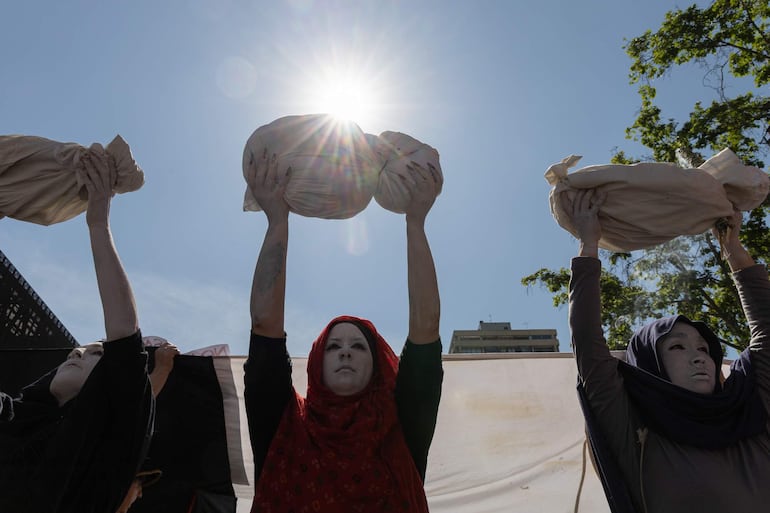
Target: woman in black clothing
(668, 434)
(73, 440)
(360, 440)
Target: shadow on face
(685, 356)
(347, 362)
(72, 374)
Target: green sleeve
(418, 393)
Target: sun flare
(346, 98)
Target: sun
(345, 97)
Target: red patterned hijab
(335, 454)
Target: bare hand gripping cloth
(651, 203)
(333, 169)
(397, 150)
(41, 180)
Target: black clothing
(661, 474)
(80, 457)
(268, 388)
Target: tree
(730, 41)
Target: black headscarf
(733, 412)
(30, 421)
(79, 457)
(34, 407)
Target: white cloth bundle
(651, 203)
(746, 186)
(396, 151)
(333, 169)
(41, 181)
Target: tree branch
(751, 21)
(755, 53)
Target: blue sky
(502, 89)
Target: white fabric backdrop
(509, 437)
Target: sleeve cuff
(261, 339)
(422, 352)
(261, 347)
(752, 271)
(130, 345)
(585, 261)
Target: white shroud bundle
(397, 150)
(651, 203)
(41, 181)
(336, 169)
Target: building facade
(498, 337)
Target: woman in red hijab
(359, 441)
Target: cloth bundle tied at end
(336, 169)
(651, 203)
(41, 180)
(333, 169)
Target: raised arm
(424, 303)
(615, 421)
(120, 318)
(585, 216)
(268, 290)
(591, 351)
(420, 374)
(267, 371)
(729, 239)
(754, 290)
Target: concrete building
(498, 337)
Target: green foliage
(622, 304)
(730, 41)
(691, 279)
(730, 38)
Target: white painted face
(348, 362)
(73, 373)
(684, 354)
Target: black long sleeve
(267, 390)
(417, 394)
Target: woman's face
(684, 353)
(73, 373)
(347, 364)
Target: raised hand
(584, 211)
(120, 318)
(424, 302)
(100, 176)
(164, 355)
(268, 290)
(727, 231)
(268, 185)
(423, 186)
